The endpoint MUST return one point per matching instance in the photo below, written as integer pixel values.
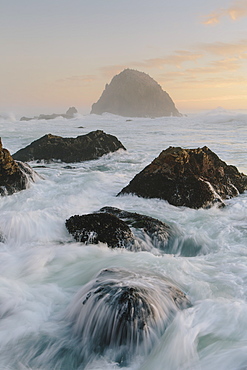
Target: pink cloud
(237, 10)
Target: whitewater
(42, 268)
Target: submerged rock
(155, 236)
(100, 227)
(188, 177)
(135, 94)
(120, 229)
(121, 314)
(144, 227)
(71, 112)
(14, 175)
(82, 148)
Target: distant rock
(14, 175)
(69, 114)
(135, 94)
(82, 148)
(188, 177)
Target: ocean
(42, 268)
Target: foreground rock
(122, 314)
(135, 94)
(71, 112)
(14, 175)
(82, 148)
(188, 177)
(100, 227)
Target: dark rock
(14, 175)
(82, 148)
(157, 237)
(135, 94)
(144, 226)
(122, 314)
(27, 118)
(100, 227)
(69, 167)
(188, 177)
(2, 239)
(71, 112)
(118, 228)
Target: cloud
(209, 85)
(220, 98)
(208, 66)
(112, 70)
(176, 59)
(217, 66)
(171, 76)
(237, 10)
(77, 80)
(221, 73)
(226, 49)
(232, 57)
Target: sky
(61, 53)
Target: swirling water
(42, 268)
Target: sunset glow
(61, 54)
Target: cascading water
(122, 315)
(45, 275)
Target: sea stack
(135, 94)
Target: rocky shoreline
(117, 308)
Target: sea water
(42, 268)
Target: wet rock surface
(144, 226)
(119, 228)
(188, 177)
(82, 148)
(122, 314)
(100, 227)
